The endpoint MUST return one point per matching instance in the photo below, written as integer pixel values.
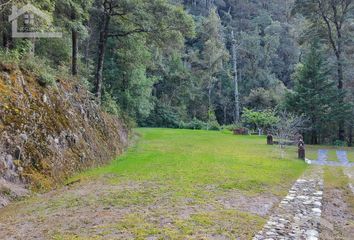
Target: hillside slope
(49, 132)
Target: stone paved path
(342, 157)
(298, 215)
(322, 155)
(322, 159)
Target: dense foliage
(196, 63)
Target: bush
(109, 104)
(162, 116)
(41, 68)
(9, 57)
(214, 126)
(259, 119)
(195, 124)
(339, 143)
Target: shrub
(9, 57)
(213, 123)
(109, 104)
(339, 143)
(162, 116)
(259, 119)
(41, 68)
(197, 124)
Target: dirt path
(106, 209)
(298, 215)
(337, 222)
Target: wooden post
(301, 149)
(270, 139)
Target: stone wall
(48, 133)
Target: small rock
(18, 153)
(24, 137)
(289, 198)
(312, 234)
(7, 78)
(45, 98)
(9, 161)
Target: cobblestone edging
(298, 215)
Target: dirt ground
(338, 207)
(135, 210)
(106, 209)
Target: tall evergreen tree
(330, 20)
(315, 95)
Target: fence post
(270, 139)
(301, 149)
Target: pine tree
(315, 95)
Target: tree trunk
(101, 54)
(87, 49)
(5, 40)
(341, 131)
(209, 96)
(350, 137)
(6, 34)
(314, 139)
(75, 50)
(236, 92)
(225, 114)
(32, 50)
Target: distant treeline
(180, 63)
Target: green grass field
(202, 169)
(350, 155)
(188, 158)
(172, 184)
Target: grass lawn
(350, 155)
(172, 184)
(188, 159)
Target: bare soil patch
(338, 209)
(135, 210)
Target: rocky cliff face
(48, 133)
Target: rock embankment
(49, 132)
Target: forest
(202, 64)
